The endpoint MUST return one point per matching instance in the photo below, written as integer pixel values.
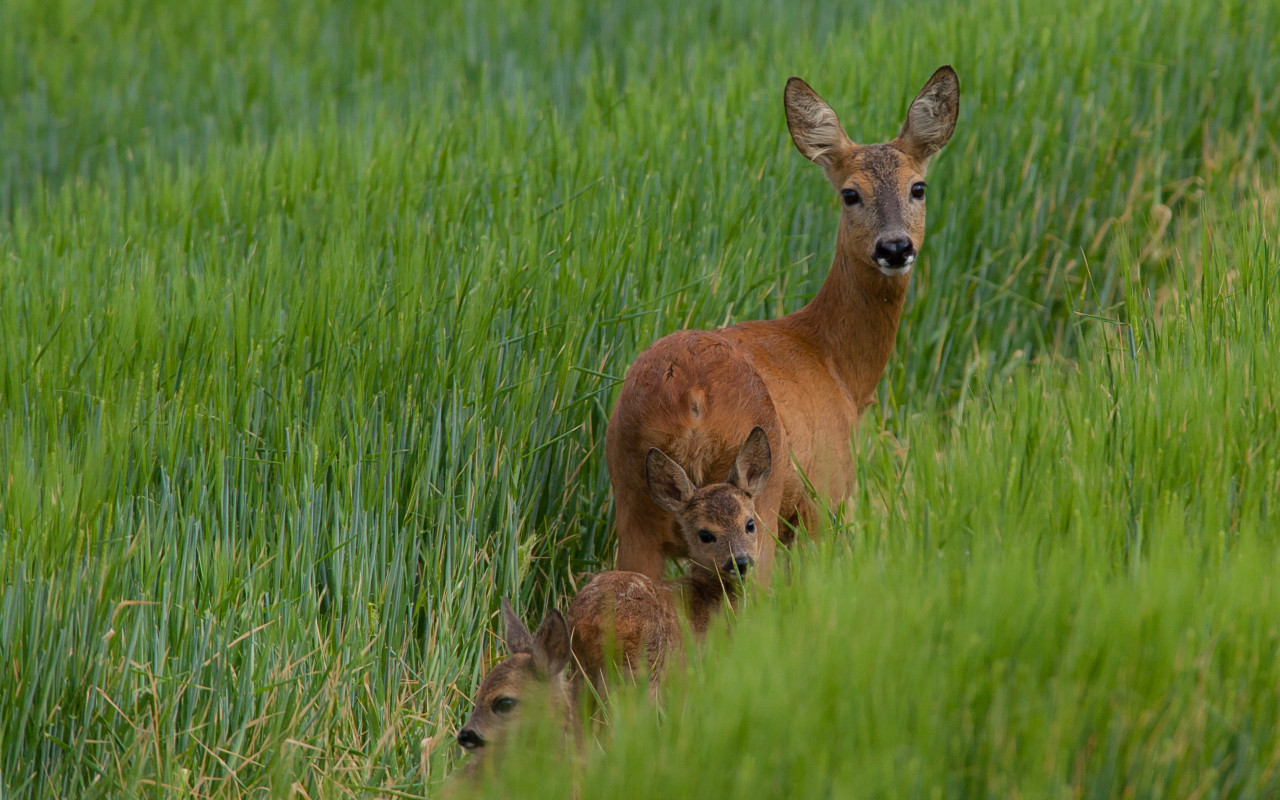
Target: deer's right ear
(669, 486)
(519, 640)
(551, 649)
(815, 128)
(751, 468)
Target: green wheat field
(312, 316)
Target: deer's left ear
(518, 638)
(932, 117)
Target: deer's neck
(854, 319)
(705, 593)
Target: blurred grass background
(311, 316)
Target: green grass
(311, 317)
(1069, 593)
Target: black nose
(469, 739)
(894, 252)
(739, 564)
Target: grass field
(311, 316)
(1068, 593)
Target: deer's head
(881, 186)
(718, 521)
(536, 664)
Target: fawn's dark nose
(469, 739)
(739, 564)
(897, 252)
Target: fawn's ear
(815, 128)
(551, 645)
(932, 117)
(669, 486)
(519, 640)
(751, 468)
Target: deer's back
(817, 410)
(695, 395)
(623, 620)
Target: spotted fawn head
(535, 662)
(718, 521)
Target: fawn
(637, 615)
(625, 620)
(807, 377)
(535, 665)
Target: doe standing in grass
(807, 377)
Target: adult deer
(807, 377)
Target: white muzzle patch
(893, 272)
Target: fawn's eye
(705, 536)
(917, 190)
(504, 705)
(851, 197)
(751, 525)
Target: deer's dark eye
(705, 536)
(851, 197)
(917, 190)
(504, 705)
(751, 525)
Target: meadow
(312, 314)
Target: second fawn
(535, 667)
